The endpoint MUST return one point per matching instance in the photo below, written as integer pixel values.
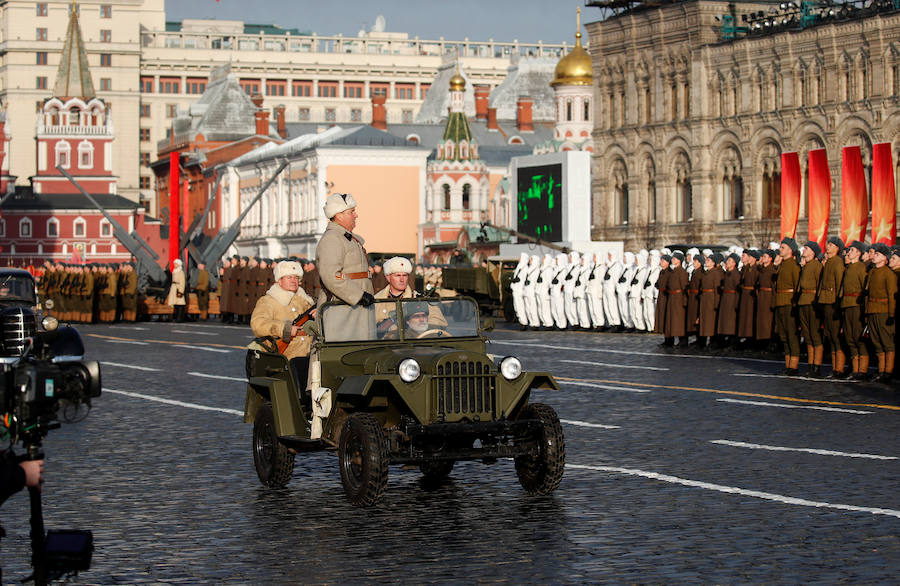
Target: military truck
(488, 286)
(411, 383)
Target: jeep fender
(285, 404)
(357, 389)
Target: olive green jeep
(402, 382)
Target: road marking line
(134, 366)
(133, 342)
(809, 378)
(166, 342)
(807, 450)
(789, 500)
(607, 387)
(734, 393)
(585, 424)
(127, 328)
(632, 353)
(172, 402)
(766, 404)
(613, 365)
(218, 376)
(194, 333)
(203, 348)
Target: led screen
(539, 202)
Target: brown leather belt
(341, 276)
(708, 290)
(765, 288)
(784, 290)
(674, 290)
(807, 290)
(746, 288)
(729, 291)
(693, 291)
(879, 299)
(852, 294)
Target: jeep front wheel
(542, 473)
(274, 462)
(362, 452)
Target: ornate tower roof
(73, 78)
(457, 130)
(574, 68)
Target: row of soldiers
(244, 280)
(94, 292)
(843, 298)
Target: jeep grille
(464, 389)
(17, 324)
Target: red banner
(174, 192)
(854, 201)
(819, 196)
(790, 194)
(884, 206)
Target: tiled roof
(26, 200)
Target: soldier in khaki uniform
(810, 275)
(106, 289)
(853, 288)
(129, 291)
(202, 289)
(396, 272)
(829, 303)
(880, 307)
(86, 292)
(787, 284)
(344, 273)
(765, 297)
(275, 311)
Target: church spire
(73, 78)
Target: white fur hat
(177, 262)
(288, 267)
(337, 203)
(397, 264)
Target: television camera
(43, 378)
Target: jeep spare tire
(542, 473)
(363, 457)
(274, 463)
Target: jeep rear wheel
(436, 469)
(363, 459)
(541, 474)
(274, 463)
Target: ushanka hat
(337, 203)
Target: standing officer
(880, 306)
(787, 284)
(810, 275)
(202, 289)
(829, 303)
(344, 272)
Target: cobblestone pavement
(681, 468)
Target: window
(85, 155)
(79, 227)
(355, 115)
(145, 134)
(145, 110)
(587, 110)
(147, 85)
(195, 86)
(106, 11)
(250, 86)
(105, 228)
(446, 189)
(301, 89)
(145, 159)
(105, 59)
(106, 36)
(407, 116)
(353, 90)
(568, 110)
(404, 92)
(303, 114)
(171, 110)
(328, 89)
(329, 115)
(145, 182)
(41, 58)
(41, 82)
(105, 84)
(169, 85)
(63, 150)
(276, 87)
(2, 227)
(41, 34)
(467, 197)
(25, 228)
(52, 227)
(423, 89)
(42, 9)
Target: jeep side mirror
(487, 324)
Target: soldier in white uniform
(689, 260)
(557, 283)
(529, 292)
(569, 290)
(622, 287)
(651, 292)
(595, 292)
(517, 287)
(614, 269)
(542, 291)
(580, 293)
(636, 292)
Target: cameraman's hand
(33, 470)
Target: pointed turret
(73, 78)
(457, 138)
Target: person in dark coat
(787, 287)
(662, 284)
(726, 328)
(880, 306)
(693, 296)
(710, 282)
(853, 290)
(676, 304)
(828, 303)
(746, 329)
(765, 297)
(810, 323)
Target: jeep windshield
(407, 319)
(14, 288)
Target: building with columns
(691, 117)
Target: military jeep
(410, 383)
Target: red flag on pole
(174, 184)
(854, 201)
(790, 193)
(884, 206)
(819, 196)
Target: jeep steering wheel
(438, 333)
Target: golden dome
(457, 83)
(574, 68)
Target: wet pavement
(680, 468)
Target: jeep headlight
(49, 323)
(408, 370)
(510, 368)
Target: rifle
(299, 321)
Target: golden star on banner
(883, 231)
(854, 232)
(817, 235)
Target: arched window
(568, 110)
(446, 189)
(75, 117)
(587, 110)
(85, 155)
(52, 228)
(79, 228)
(63, 154)
(105, 228)
(449, 150)
(466, 196)
(25, 228)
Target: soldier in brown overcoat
(810, 323)
(676, 302)
(659, 322)
(746, 326)
(710, 283)
(853, 289)
(693, 296)
(310, 281)
(828, 302)
(241, 297)
(787, 285)
(726, 327)
(202, 289)
(765, 296)
(880, 306)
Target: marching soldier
(710, 296)
(880, 306)
(810, 275)
(787, 284)
(202, 289)
(693, 297)
(747, 309)
(726, 327)
(829, 303)
(853, 289)
(107, 292)
(129, 291)
(87, 296)
(676, 303)
(765, 297)
(662, 285)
